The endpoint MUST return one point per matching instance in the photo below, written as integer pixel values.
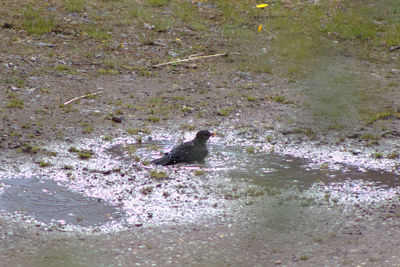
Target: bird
(188, 152)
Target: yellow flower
(262, 5)
(259, 29)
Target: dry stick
(189, 59)
(82, 96)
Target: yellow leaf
(262, 5)
(259, 29)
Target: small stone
(118, 119)
(148, 26)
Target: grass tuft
(37, 21)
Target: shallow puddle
(272, 170)
(112, 187)
(47, 201)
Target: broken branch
(191, 58)
(82, 96)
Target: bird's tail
(166, 160)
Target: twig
(82, 96)
(191, 58)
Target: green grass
(251, 98)
(87, 127)
(384, 115)
(73, 149)
(158, 174)
(82, 154)
(157, 3)
(368, 137)
(199, 172)
(85, 154)
(17, 81)
(61, 68)
(141, 70)
(37, 20)
(250, 150)
(131, 149)
(225, 111)
(30, 148)
(74, 5)
(393, 155)
(107, 71)
(296, 37)
(153, 118)
(43, 164)
(97, 32)
(107, 138)
(15, 103)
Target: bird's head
(204, 135)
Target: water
(270, 170)
(112, 187)
(48, 201)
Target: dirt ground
(204, 94)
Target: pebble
(395, 71)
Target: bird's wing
(180, 152)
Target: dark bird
(195, 150)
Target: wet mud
(242, 206)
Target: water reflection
(49, 202)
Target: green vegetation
(384, 115)
(87, 127)
(153, 118)
(74, 5)
(279, 99)
(377, 155)
(135, 131)
(97, 32)
(30, 148)
(131, 149)
(199, 172)
(82, 154)
(393, 155)
(73, 149)
(367, 137)
(15, 102)
(107, 138)
(225, 111)
(43, 163)
(17, 81)
(37, 21)
(158, 174)
(251, 98)
(250, 150)
(85, 154)
(107, 71)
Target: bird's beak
(212, 134)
